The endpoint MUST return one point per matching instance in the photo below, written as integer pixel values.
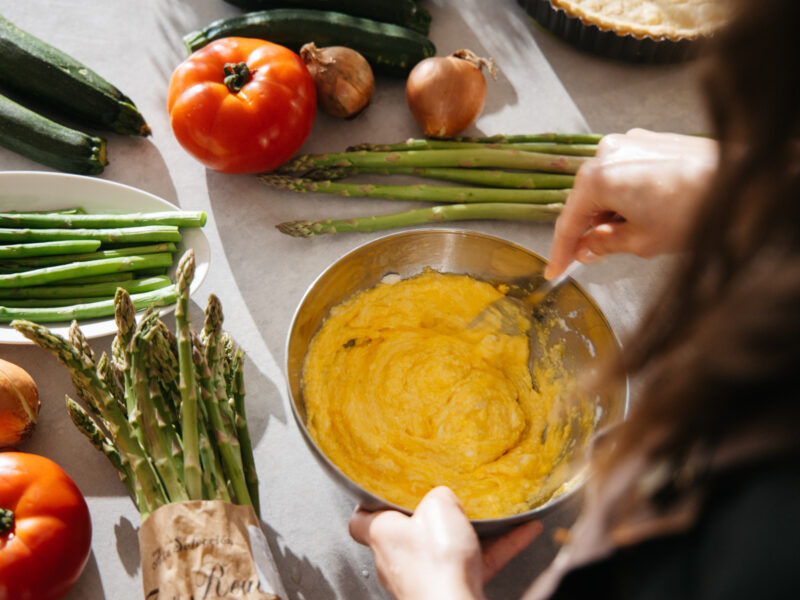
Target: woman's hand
(435, 553)
(638, 195)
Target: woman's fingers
(577, 216)
(362, 523)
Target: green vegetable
(94, 279)
(215, 399)
(161, 437)
(122, 235)
(150, 424)
(485, 177)
(81, 419)
(189, 414)
(149, 494)
(47, 248)
(235, 356)
(49, 302)
(423, 193)
(95, 220)
(84, 269)
(91, 310)
(60, 259)
(480, 157)
(388, 48)
(36, 137)
(425, 144)
(407, 13)
(524, 138)
(420, 216)
(37, 70)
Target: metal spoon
(507, 312)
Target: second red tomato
(242, 105)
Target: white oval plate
(33, 190)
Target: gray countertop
(260, 274)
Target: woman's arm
(638, 195)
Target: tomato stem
(6, 521)
(236, 76)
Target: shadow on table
(311, 583)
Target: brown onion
(343, 77)
(446, 94)
(19, 404)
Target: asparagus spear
(435, 214)
(134, 286)
(148, 491)
(84, 269)
(45, 261)
(485, 177)
(242, 432)
(119, 235)
(189, 415)
(216, 403)
(419, 193)
(162, 363)
(61, 221)
(92, 310)
(79, 342)
(90, 429)
(481, 157)
(107, 278)
(49, 302)
(558, 138)
(214, 481)
(47, 248)
(158, 438)
(425, 144)
(112, 378)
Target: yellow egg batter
(403, 396)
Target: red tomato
(45, 530)
(242, 119)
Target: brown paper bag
(203, 550)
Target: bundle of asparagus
(66, 265)
(514, 177)
(167, 409)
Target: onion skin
(19, 404)
(344, 80)
(446, 94)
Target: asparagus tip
(185, 271)
(300, 229)
(124, 312)
(285, 182)
(214, 316)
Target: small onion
(19, 404)
(343, 77)
(446, 94)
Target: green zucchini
(34, 69)
(38, 138)
(388, 48)
(400, 12)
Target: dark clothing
(745, 545)
(724, 524)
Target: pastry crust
(658, 19)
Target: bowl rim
(375, 501)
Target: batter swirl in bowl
(403, 396)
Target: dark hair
(721, 345)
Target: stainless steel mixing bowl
(580, 325)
